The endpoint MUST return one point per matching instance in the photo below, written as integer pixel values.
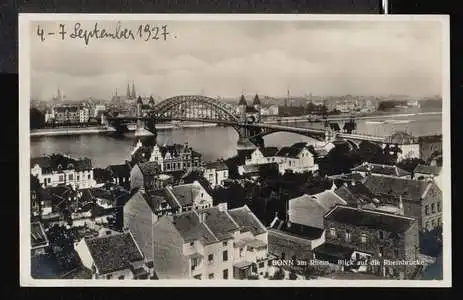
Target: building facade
(175, 157)
(216, 173)
(215, 243)
(66, 114)
(58, 169)
(371, 235)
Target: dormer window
(59, 167)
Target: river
(213, 142)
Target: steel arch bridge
(195, 108)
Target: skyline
(265, 57)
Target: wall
(136, 178)
(168, 257)
(432, 196)
(218, 265)
(409, 151)
(138, 217)
(84, 254)
(427, 148)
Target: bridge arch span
(195, 107)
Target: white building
(100, 108)
(113, 256)
(215, 243)
(84, 115)
(216, 173)
(409, 145)
(58, 169)
(49, 116)
(297, 158)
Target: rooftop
(268, 151)
(370, 219)
(356, 193)
(114, 252)
(425, 169)
(409, 189)
(387, 170)
(149, 168)
(56, 162)
(218, 165)
(122, 170)
(292, 151)
(247, 221)
(309, 210)
(185, 194)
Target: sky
(227, 58)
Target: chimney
(222, 206)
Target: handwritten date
(144, 32)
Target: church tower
(129, 95)
(151, 102)
(134, 94)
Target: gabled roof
(388, 170)
(114, 252)
(309, 210)
(292, 151)
(247, 221)
(370, 219)
(60, 162)
(256, 100)
(153, 198)
(425, 169)
(355, 194)
(217, 165)
(186, 193)
(268, 151)
(220, 223)
(409, 189)
(149, 168)
(38, 236)
(191, 229)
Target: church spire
(134, 94)
(129, 96)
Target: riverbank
(104, 129)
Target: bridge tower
(151, 102)
(139, 114)
(242, 105)
(257, 107)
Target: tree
(409, 164)
(37, 118)
(371, 152)
(102, 175)
(292, 275)
(279, 274)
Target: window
(225, 255)
(211, 276)
(192, 243)
(433, 222)
(396, 253)
(333, 232)
(61, 178)
(78, 177)
(426, 210)
(381, 235)
(381, 251)
(363, 238)
(225, 274)
(426, 225)
(194, 263)
(438, 207)
(121, 277)
(71, 177)
(433, 207)
(167, 166)
(210, 258)
(197, 277)
(89, 176)
(347, 236)
(439, 221)
(109, 276)
(261, 264)
(241, 252)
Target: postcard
(234, 150)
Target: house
(296, 158)
(120, 173)
(262, 155)
(356, 194)
(216, 173)
(420, 199)
(113, 256)
(368, 236)
(39, 240)
(175, 157)
(214, 243)
(424, 172)
(145, 175)
(189, 196)
(429, 146)
(59, 169)
(381, 170)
